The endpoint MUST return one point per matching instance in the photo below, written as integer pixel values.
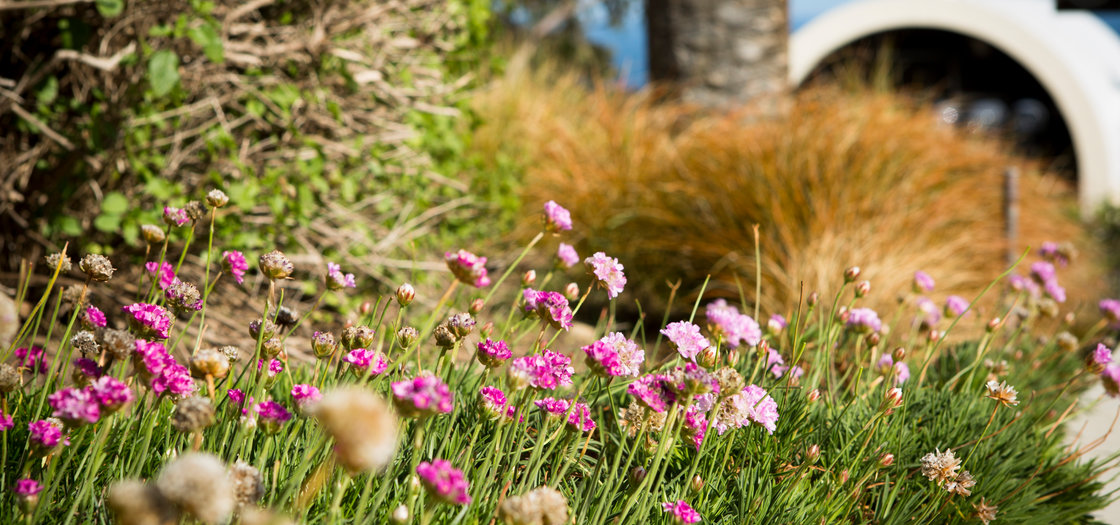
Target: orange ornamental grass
(844, 178)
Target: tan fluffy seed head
(540, 506)
(247, 484)
(198, 484)
(137, 503)
(363, 427)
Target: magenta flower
(234, 262)
(552, 405)
(556, 218)
(87, 369)
(149, 320)
(551, 307)
(580, 418)
(864, 321)
(175, 379)
(685, 338)
(544, 371)
(468, 268)
(6, 422)
(272, 416)
(33, 359)
(655, 391)
(608, 272)
(162, 371)
(75, 407)
(305, 395)
(1052, 251)
(1043, 272)
(751, 405)
(923, 283)
(614, 355)
(94, 317)
(275, 366)
(422, 396)
(567, 255)
(1110, 379)
(26, 488)
(1102, 355)
(695, 426)
(955, 305)
(175, 216)
(1110, 309)
(495, 403)
(931, 314)
(363, 362)
(735, 328)
(1055, 291)
(165, 271)
(444, 482)
(897, 372)
(682, 512)
(493, 353)
(45, 434)
(776, 324)
(236, 396)
(1019, 283)
(336, 280)
(110, 393)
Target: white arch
(1074, 56)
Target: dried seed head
(195, 210)
(137, 503)
(231, 353)
(940, 466)
(407, 336)
(259, 516)
(152, 234)
(363, 427)
(198, 484)
(209, 362)
(286, 317)
(540, 506)
(444, 337)
(270, 329)
(247, 485)
(97, 267)
(217, 198)
(961, 484)
(359, 336)
(730, 381)
(86, 343)
(119, 343)
(9, 378)
(183, 297)
(984, 512)
(193, 414)
(1002, 392)
(405, 294)
(275, 265)
(54, 259)
(1066, 341)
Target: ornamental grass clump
(484, 406)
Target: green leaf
(107, 223)
(163, 72)
(114, 204)
(69, 226)
(207, 37)
(110, 8)
(49, 92)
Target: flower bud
(813, 395)
(275, 265)
(571, 292)
(271, 347)
(217, 198)
(844, 477)
(400, 515)
(733, 357)
(359, 336)
(814, 298)
(209, 362)
(886, 460)
(851, 274)
(873, 339)
(899, 354)
(842, 314)
(486, 330)
(405, 294)
(152, 234)
(444, 337)
(528, 279)
(935, 336)
(269, 329)
(365, 308)
(892, 400)
(697, 483)
(476, 306)
(708, 357)
(637, 475)
(813, 454)
(323, 344)
(461, 325)
(863, 288)
(407, 336)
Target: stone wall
(720, 52)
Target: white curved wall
(1074, 56)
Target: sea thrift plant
(731, 327)
(493, 353)
(686, 339)
(567, 255)
(923, 282)
(336, 280)
(614, 355)
(366, 362)
(546, 371)
(444, 482)
(234, 262)
(94, 318)
(556, 217)
(165, 272)
(682, 512)
(149, 320)
(608, 273)
(422, 396)
(864, 321)
(468, 268)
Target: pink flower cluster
(46, 434)
(94, 317)
(33, 359)
(608, 272)
(6, 422)
(444, 482)
(468, 268)
(272, 416)
(567, 255)
(923, 282)
(494, 402)
(544, 371)
(422, 396)
(165, 270)
(556, 217)
(493, 353)
(26, 488)
(614, 355)
(734, 327)
(234, 262)
(654, 391)
(175, 216)
(163, 373)
(74, 407)
(275, 366)
(551, 307)
(753, 404)
(686, 339)
(930, 313)
(682, 512)
(897, 372)
(955, 305)
(864, 321)
(1110, 309)
(695, 426)
(149, 320)
(336, 280)
(305, 395)
(1044, 274)
(579, 414)
(365, 362)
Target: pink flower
(444, 482)
(931, 314)
(556, 218)
(495, 403)
(922, 282)
(686, 339)
(468, 268)
(544, 371)
(175, 216)
(552, 405)
(422, 396)
(5, 422)
(272, 416)
(87, 368)
(608, 271)
(955, 305)
(580, 418)
(363, 361)
(776, 324)
(336, 280)
(493, 353)
(655, 391)
(695, 426)
(1055, 291)
(752, 404)
(45, 434)
(26, 488)
(149, 320)
(75, 407)
(94, 317)
(1102, 355)
(165, 270)
(864, 321)
(682, 512)
(1043, 272)
(1110, 309)
(33, 359)
(897, 372)
(551, 307)
(614, 355)
(1110, 379)
(110, 393)
(567, 255)
(305, 395)
(234, 262)
(735, 328)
